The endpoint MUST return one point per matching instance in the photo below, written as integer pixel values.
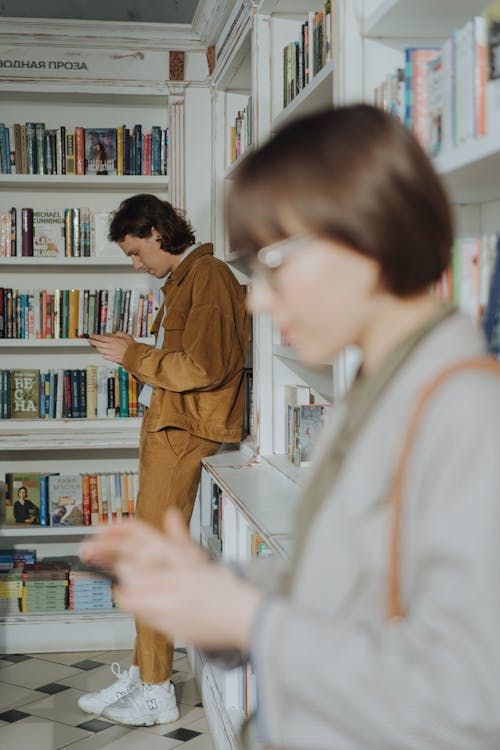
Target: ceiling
(142, 11)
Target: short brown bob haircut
(354, 175)
(141, 213)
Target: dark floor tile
(182, 734)
(87, 664)
(52, 688)
(181, 650)
(15, 658)
(12, 715)
(95, 725)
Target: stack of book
(45, 587)
(88, 590)
(11, 587)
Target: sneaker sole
(165, 719)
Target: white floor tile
(90, 680)
(136, 739)
(187, 692)
(100, 740)
(124, 658)
(69, 658)
(12, 696)
(188, 714)
(34, 673)
(200, 725)
(61, 707)
(202, 742)
(41, 734)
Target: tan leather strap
(395, 609)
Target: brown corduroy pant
(169, 474)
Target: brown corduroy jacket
(197, 375)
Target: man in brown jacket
(193, 395)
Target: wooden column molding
(176, 121)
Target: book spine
(94, 500)
(86, 499)
(79, 151)
(27, 231)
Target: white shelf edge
(309, 99)
(54, 343)
(46, 531)
(95, 260)
(107, 182)
(407, 18)
(57, 617)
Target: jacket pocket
(178, 440)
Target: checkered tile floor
(38, 705)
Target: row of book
(91, 393)
(33, 148)
(445, 95)
(304, 58)
(51, 232)
(51, 585)
(304, 422)
(248, 682)
(473, 283)
(76, 313)
(241, 132)
(53, 499)
(11, 586)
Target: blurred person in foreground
(348, 226)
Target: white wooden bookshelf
(53, 343)
(105, 183)
(99, 261)
(28, 435)
(317, 95)
(120, 87)
(410, 20)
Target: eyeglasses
(271, 257)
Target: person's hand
(112, 346)
(168, 582)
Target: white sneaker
(95, 703)
(145, 705)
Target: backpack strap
(395, 609)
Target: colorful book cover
(22, 504)
(308, 423)
(417, 100)
(66, 500)
(100, 151)
(24, 394)
(492, 16)
(435, 93)
(48, 232)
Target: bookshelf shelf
(250, 487)
(83, 630)
(95, 262)
(317, 95)
(83, 182)
(61, 532)
(51, 343)
(408, 19)
(471, 171)
(69, 434)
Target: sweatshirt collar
(185, 265)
